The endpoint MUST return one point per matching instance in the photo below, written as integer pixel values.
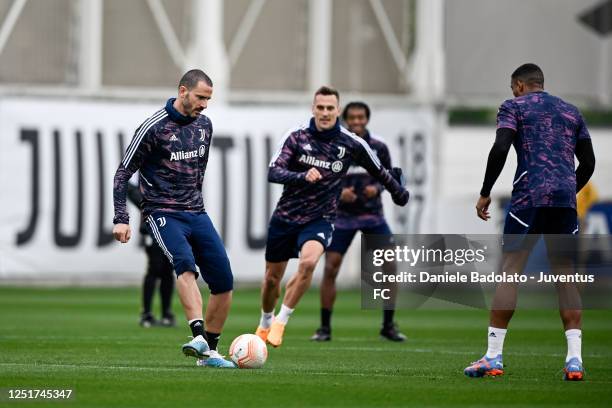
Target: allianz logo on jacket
(313, 161)
(189, 154)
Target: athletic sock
(496, 341)
(266, 319)
(574, 344)
(388, 317)
(213, 339)
(283, 315)
(326, 318)
(197, 327)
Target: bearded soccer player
(311, 163)
(170, 149)
(547, 133)
(360, 209)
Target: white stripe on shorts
(158, 237)
(519, 220)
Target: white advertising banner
(58, 158)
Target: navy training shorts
(343, 237)
(285, 239)
(522, 229)
(189, 239)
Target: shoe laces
(202, 340)
(479, 361)
(492, 362)
(214, 354)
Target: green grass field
(89, 340)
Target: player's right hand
(401, 198)
(122, 232)
(482, 208)
(313, 175)
(348, 195)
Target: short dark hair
(355, 105)
(191, 78)
(328, 90)
(530, 74)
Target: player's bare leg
(217, 310)
(504, 301)
(570, 310)
(333, 261)
(572, 322)
(300, 282)
(502, 309)
(571, 318)
(191, 299)
(270, 293)
(296, 287)
(570, 300)
(271, 286)
(216, 314)
(190, 295)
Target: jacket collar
(175, 115)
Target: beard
(187, 107)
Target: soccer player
(546, 133)
(170, 149)
(311, 162)
(158, 268)
(360, 209)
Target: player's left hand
(482, 208)
(370, 191)
(398, 175)
(401, 198)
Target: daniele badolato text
(477, 277)
(416, 265)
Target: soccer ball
(248, 351)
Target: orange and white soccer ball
(248, 351)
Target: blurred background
(78, 76)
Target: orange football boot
(275, 336)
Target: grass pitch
(89, 340)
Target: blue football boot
(491, 367)
(215, 360)
(573, 370)
(198, 347)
